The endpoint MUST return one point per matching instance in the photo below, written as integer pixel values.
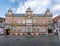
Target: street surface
(29, 40)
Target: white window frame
(14, 28)
(18, 28)
(34, 29)
(23, 29)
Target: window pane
(18, 28)
(14, 28)
(38, 28)
(28, 21)
(19, 22)
(28, 28)
(43, 29)
(34, 21)
(23, 29)
(34, 28)
(23, 21)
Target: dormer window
(28, 12)
(28, 16)
(9, 12)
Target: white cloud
(55, 7)
(38, 6)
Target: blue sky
(37, 6)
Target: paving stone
(29, 40)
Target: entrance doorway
(7, 31)
(49, 30)
(29, 30)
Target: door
(7, 31)
(49, 30)
(29, 30)
(29, 33)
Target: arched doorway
(49, 30)
(7, 31)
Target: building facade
(56, 22)
(28, 23)
(2, 25)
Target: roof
(38, 15)
(18, 14)
(35, 15)
(56, 18)
(2, 19)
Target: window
(38, 21)
(8, 22)
(43, 29)
(28, 21)
(29, 16)
(14, 22)
(34, 28)
(58, 20)
(19, 22)
(28, 28)
(58, 25)
(43, 21)
(38, 28)
(49, 20)
(8, 26)
(9, 13)
(23, 28)
(23, 21)
(18, 28)
(34, 21)
(0, 24)
(14, 28)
